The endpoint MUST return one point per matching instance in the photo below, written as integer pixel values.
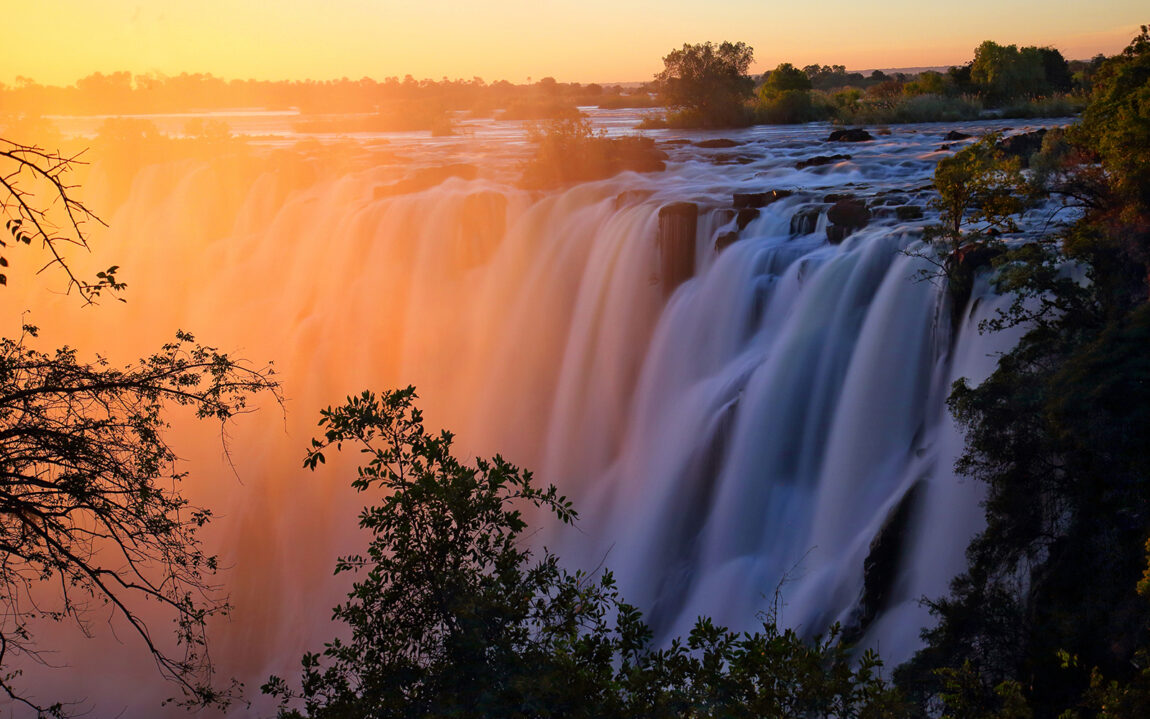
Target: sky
(58, 41)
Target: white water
(749, 433)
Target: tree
(707, 84)
(981, 188)
(451, 616)
(91, 514)
(55, 222)
(784, 77)
(90, 501)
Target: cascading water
(776, 423)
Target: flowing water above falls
(773, 424)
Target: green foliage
(783, 78)
(90, 501)
(707, 84)
(1003, 72)
(789, 107)
(980, 190)
(1116, 125)
(451, 616)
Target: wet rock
(961, 268)
(819, 160)
(955, 135)
(908, 212)
(884, 559)
(746, 216)
(846, 216)
(851, 213)
(836, 196)
(720, 143)
(1023, 145)
(725, 240)
(944, 148)
(678, 223)
(758, 199)
(837, 233)
(726, 159)
(893, 197)
(856, 134)
(805, 221)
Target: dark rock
(884, 560)
(893, 197)
(944, 148)
(846, 216)
(720, 143)
(961, 267)
(856, 134)
(678, 223)
(746, 216)
(836, 196)
(725, 240)
(849, 213)
(1022, 146)
(805, 221)
(908, 212)
(728, 159)
(758, 199)
(954, 135)
(819, 161)
(725, 215)
(837, 233)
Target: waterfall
(742, 442)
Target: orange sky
(58, 41)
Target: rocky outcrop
(820, 160)
(746, 216)
(720, 143)
(955, 135)
(846, 216)
(908, 212)
(856, 134)
(805, 221)
(1022, 146)
(725, 240)
(678, 223)
(758, 199)
(881, 566)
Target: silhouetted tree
(91, 514)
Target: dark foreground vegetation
(451, 616)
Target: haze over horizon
(589, 41)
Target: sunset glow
(60, 41)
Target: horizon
(509, 40)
